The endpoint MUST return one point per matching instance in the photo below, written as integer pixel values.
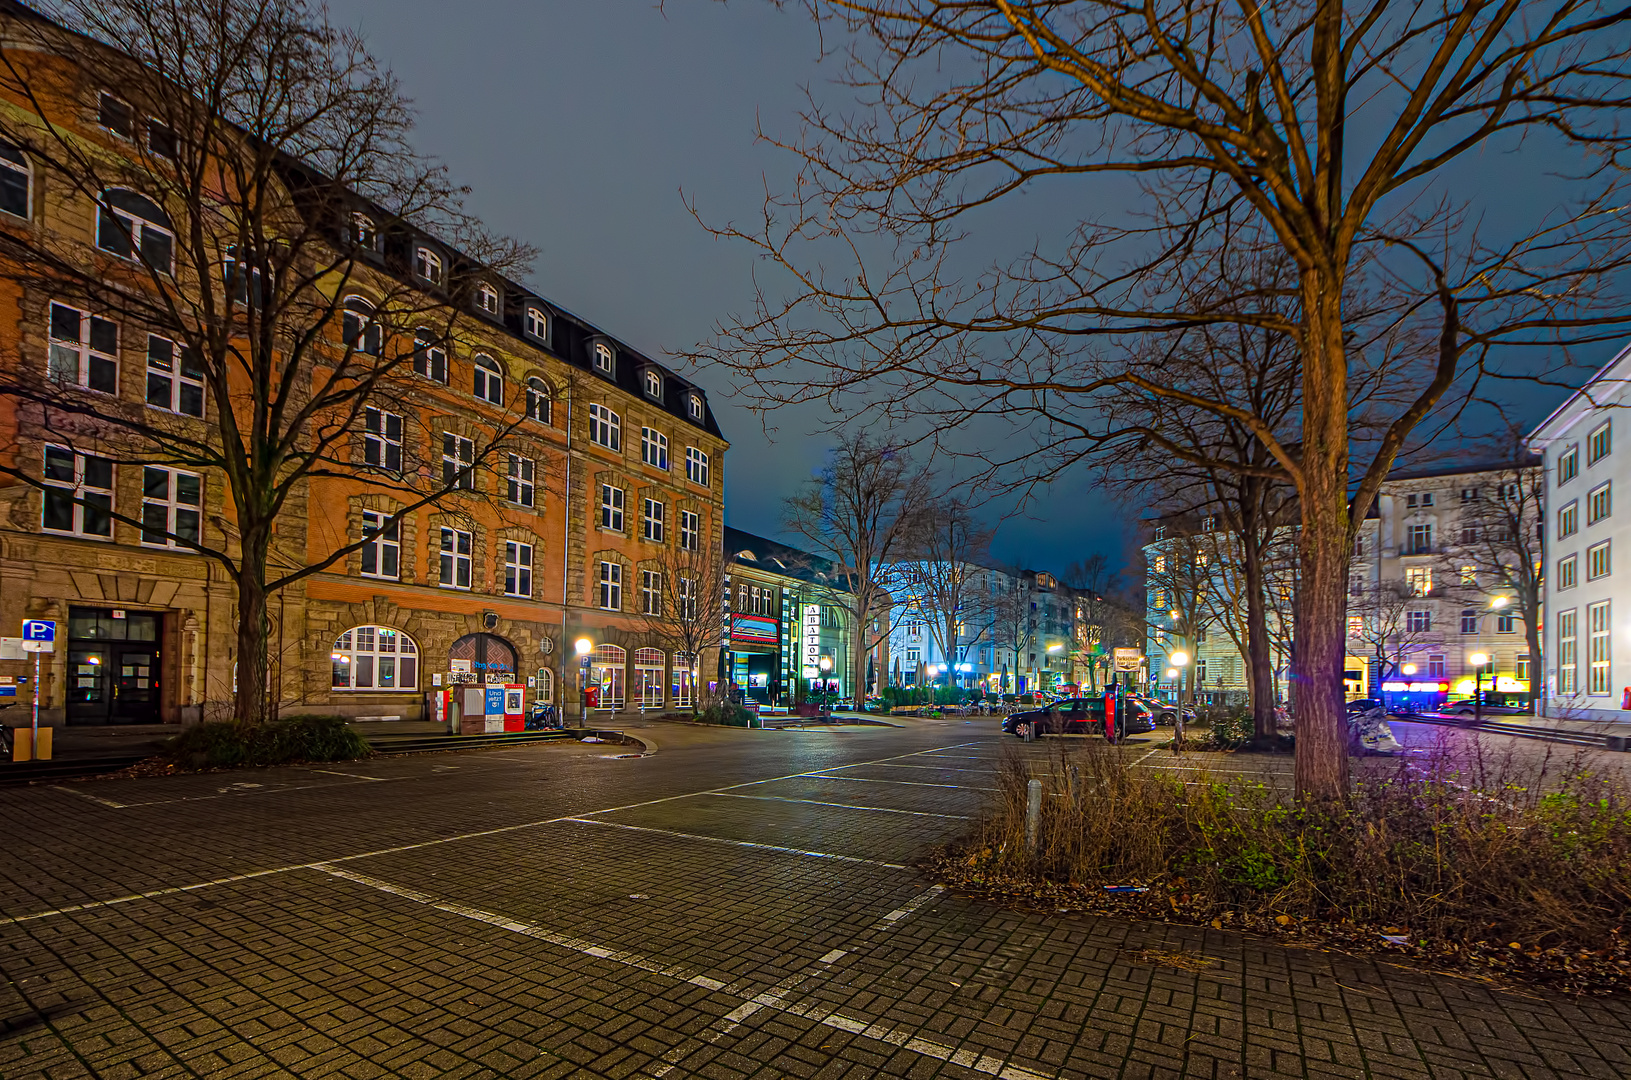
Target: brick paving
(741, 904)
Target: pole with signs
(39, 635)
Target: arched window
(603, 357)
(486, 299)
(14, 181)
(605, 427)
(683, 687)
(537, 323)
(654, 384)
(695, 407)
(489, 380)
(375, 658)
(648, 678)
(545, 689)
(359, 328)
(537, 400)
(428, 265)
(606, 675)
(130, 226)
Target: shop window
(375, 658)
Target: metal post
(1477, 694)
(1033, 812)
(35, 749)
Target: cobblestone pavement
(740, 904)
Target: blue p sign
(39, 630)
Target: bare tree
(1392, 620)
(943, 578)
(1013, 624)
(264, 159)
(689, 615)
(1329, 135)
(859, 512)
(1182, 579)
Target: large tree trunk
(1322, 600)
(250, 704)
(1260, 676)
(1537, 671)
(858, 648)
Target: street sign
(1128, 659)
(39, 646)
(39, 630)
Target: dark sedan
(1077, 716)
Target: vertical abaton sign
(812, 641)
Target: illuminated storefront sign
(1415, 687)
(812, 641)
(755, 629)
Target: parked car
(1078, 716)
(1495, 704)
(1166, 713)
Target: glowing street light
(1056, 648)
(1408, 669)
(1499, 602)
(583, 646)
(1478, 660)
(1179, 659)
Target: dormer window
(654, 384)
(429, 266)
(537, 323)
(363, 232)
(695, 406)
(487, 299)
(603, 357)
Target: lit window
(359, 329)
(428, 265)
(611, 507)
(487, 299)
(172, 507)
(605, 428)
(690, 530)
(382, 439)
(1599, 504)
(1469, 575)
(429, 358)
(488, 380)
(611, 586)
(375, 658)
(1599, 443)
(517, 568)
(1599, 644)
(116, 116)
(382, 554)
(1568, 572)
(458, 462)
(695, 407)
(78, 493)
(174, 380)
(654, 384)
(537, 323)
(1521, 668)
(130, 226)
(1568, 520)
(538, 400)
(1568, 465)
(84, 350)
(654, 520)
(1597, 561)
(654, 447)
(519, 484)
(696, 466)
(15, 175)
(1568, 655)
(603, 357)
(1419, 579)
(651, 592)
(454, 566)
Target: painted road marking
(840, 805)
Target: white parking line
(66, 790)
(840, 805)
(738, 843)
(895, 917)
(908, 783)
(898, 765)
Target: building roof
(1464, 468)
(774, 557)
(1612, 378)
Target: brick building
(607, 456)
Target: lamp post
(1478, 660)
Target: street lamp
(1408, 669)
(1478, 660)
(583, 647)
(1499, 602)
(1180, 660)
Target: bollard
(1073, 777)
(1033, 812)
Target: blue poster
(495, 701)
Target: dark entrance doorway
(113, 666)
(490, 658)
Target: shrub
(727, 713)
(1228, 728)
(229, 745)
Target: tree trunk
(858, 650)
(249, 704)
(1322, 600)
(1537, 671)
(1260, 682)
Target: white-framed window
(375, 658)
(382, 439)
(1417, 622)
(1505, 622)
(16, 185)
(538, 400)
(654, 384)
(1420, 540)
(1469, 621)
(1599, 443)
(1599, 503)
(428, 265)
(172, 507)
(1568, 465)
(1419, 579)
(1435, 665)
(1568, 652)
(611, 507)
(696, 466)
(536, 322)
(651, 592)
(78, 494)
(487, 299)
(1568, 520)
(686, 597)
(519, 480)
(116, 115)
(654, 447)
(1521, 667)
(132, 226)
(1469, 494)
(603, 357)
(611, 586)
(84, 350)
(174, 380)
(382, 554)
(694, 406)
(429, 358)
(1599, 644)
(517, 568)
(654, 520)
(453, 569)
(605, 428)
(1568, 572)
(487, 379)
(458, 461)
(690, 530)
(364, 233)
(360, 330)
(546, 686)
(1597, 561)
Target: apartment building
(1587, 602)
(607, 457)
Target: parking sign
(39, 630)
